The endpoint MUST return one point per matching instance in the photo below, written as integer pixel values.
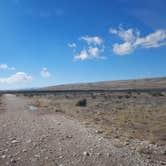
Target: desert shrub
(93, 96)
(120, 97)
(82, 103)
(156, 94)
(127, 96)
(138, 93)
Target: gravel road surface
(30, 139)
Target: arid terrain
(149, 83)
(123, 127)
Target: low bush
(82, 103)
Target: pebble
(37, 155)
(99, 154)
(60, 157)
(13, 161)
(14, 141)
(28, 141)
(3, 156)
(24, 150)
(86, 154)
(68, 136)
(98, 131)
(46, 158)
(108, 154)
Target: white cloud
(92, 40)
(152, 40)
(131, 40)
(94, 47)
(128, 35)
(19, 77)
(45, 73)
(90, 53)
(94, 51)
(123, 49)
(82, 56)
(6, 67)
(72, 45)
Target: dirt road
(29, 139)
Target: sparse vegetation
(82, 103)
(118, 114)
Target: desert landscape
(82, 83)
(103, 124)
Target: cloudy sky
(50, 42)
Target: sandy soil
(30, 139)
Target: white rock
(24, 150)
(37, 155)
(46, 158)
(14, 141)
(86, 154)
(108, 154)
(28, 141)
(3, 156)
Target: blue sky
(50, 42)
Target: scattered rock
(3, 156)
(99, 154)
(98, 131)
(13, 161)
(29, 141)
(37, 155)
(24, 150)
(163, 163)
(108, 154)
(14, 141)
(86, 154)
(164, 152)
(46, 158)
(68, 136)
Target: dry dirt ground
(31, 138)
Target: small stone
(99, 154)
(98, 131)
(28, 141)
(86, 154)
(126, 143)
(24, 150)
(10, 156)
(68, 136)
(108, 154)
(101, 138)
(37, 155)
(3, 156)
(7, 163)
(148, 157)
(13, 161)
(164, 152)
(6, 150)
(19, 158)
(163, 163)
(46, 158)
(14, 141)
